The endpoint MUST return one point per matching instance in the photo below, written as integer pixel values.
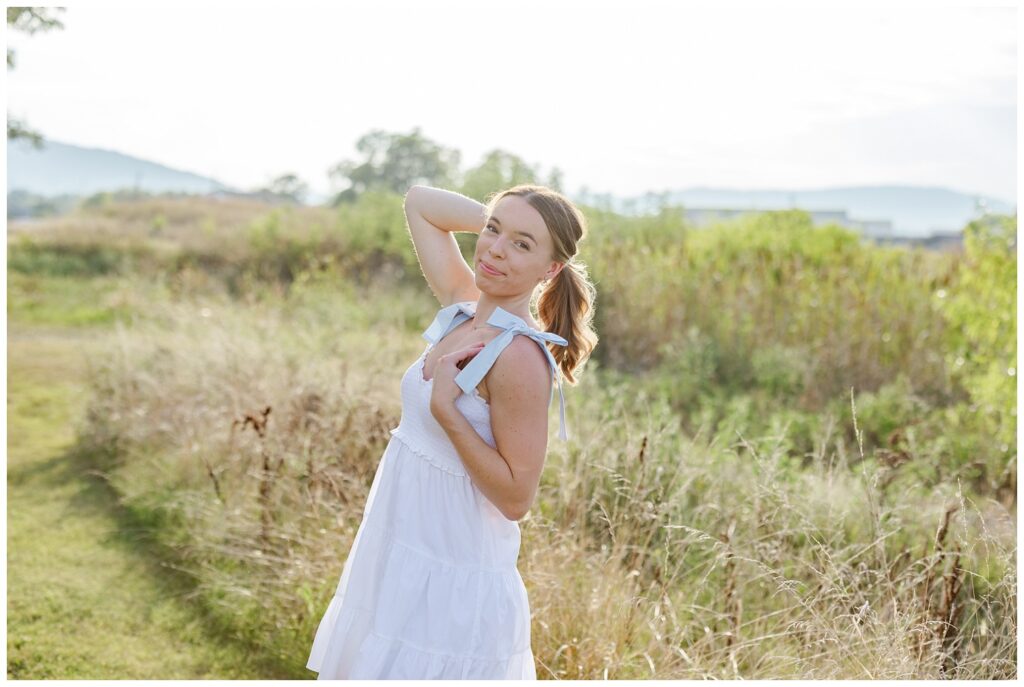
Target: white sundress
(430, 588)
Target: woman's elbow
(515, 516)
(410, 194)
(517, 511)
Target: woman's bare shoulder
(522, 358)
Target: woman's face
(516, 242)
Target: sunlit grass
(772, 472)
(86, 597)
(641, 536)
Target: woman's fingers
(467, 352)
(474, 348)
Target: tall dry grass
(774, 472)
(765, 319)
(253, 433)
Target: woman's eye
(521, 244)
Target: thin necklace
(492, 325)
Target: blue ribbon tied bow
(450, 317)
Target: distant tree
(29, 20)
(498, 170)
(22, 204)
(17, 129)
(288, 187)
(395, 162)
(555, 180)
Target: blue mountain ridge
(62, 168)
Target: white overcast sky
(623, 97)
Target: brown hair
(566, 304)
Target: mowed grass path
(87, 595)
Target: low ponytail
(566, 308)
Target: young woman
(430, 588)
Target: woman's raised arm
(433, 214)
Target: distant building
(874, 229)
(941, 241)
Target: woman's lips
(488, 269)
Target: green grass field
(792, 454)
(90, 596)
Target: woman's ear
(556, 268)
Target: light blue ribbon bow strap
(474, 371)
(448, 318)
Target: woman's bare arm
(433, 214)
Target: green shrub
(981, 340)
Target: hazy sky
(622, 97)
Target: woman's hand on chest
(445, 391)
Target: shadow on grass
(134, 534)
